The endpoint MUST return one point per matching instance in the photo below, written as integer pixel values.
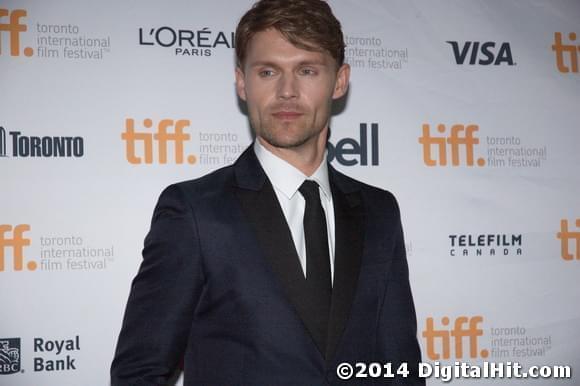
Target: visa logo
(482, 53)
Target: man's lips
(287, 114)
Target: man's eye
(307, 71)
(266, 73)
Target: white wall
(97, 205)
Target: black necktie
(318, 281)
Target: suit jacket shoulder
(375, 199)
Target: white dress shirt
(286, 179)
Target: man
(274, 270)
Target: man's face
(289, 90)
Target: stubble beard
(279, 134)
(285, 143)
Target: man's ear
(240, 84)
(342, 80)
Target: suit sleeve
(398, 310)
(163, 297)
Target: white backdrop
(466, 110)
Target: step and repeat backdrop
(468, 111)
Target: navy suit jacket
(219, 289)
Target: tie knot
(309, 190)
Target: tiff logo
(17, 242)
(14, 27)
(157, 142)
(566, 237)
(566, 50)
(461, 137)
(459, 331)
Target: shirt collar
(286, 177)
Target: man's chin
(284, 143)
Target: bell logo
(563, 51)
(17, 242)
(461, 136)
(482, 53)
(14, 28)
(157, 142)
(438, 341)
(347, 150)
(566, 236)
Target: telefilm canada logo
(52, 41)
(502, 244)
(9, 356)
(17, 145)
(459, 145)
(481, 53)
(187, 42)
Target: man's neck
(304, 158)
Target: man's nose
(288, 87)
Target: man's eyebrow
(263, 63)
(266, 63)
(313, 63)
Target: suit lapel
(265, 215)
(262, 210)
(349, 235)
